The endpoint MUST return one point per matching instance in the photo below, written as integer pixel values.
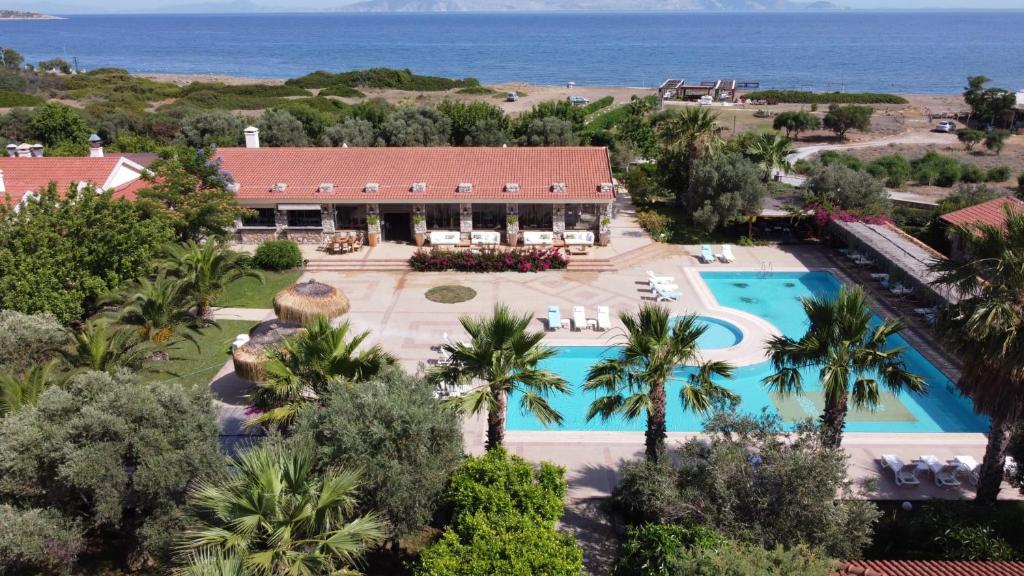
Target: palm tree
(25, 390)
(770, 149)
(98, 346)
(693, 132)
(277, 516)
(852, 357)
(205, 270)
(501, 357)
(984, 328)
(305, 364)
(635, 382)
(160, 308)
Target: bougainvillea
(490, 260)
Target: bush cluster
(803, 97)
(503, 522)
(516, 260)
(382, 78)
(597, 105)
(656, 224)
(939, 170)
(10, 99)
(278, 255)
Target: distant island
(554, 5)
(22, 15)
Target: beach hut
(303, 302)
(250, 358)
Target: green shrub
(251, 90)
(597, 105)
(998, 174)
(501, 484)
(802, 97)
(342, 91)
(833, 158)
(742, 559)
(479, 91)
(17, 99)
(949, 531)
(894, 169)
(278, 255)
(935, 169)
(656, 224)
(382, 78)
(37, 541)
(804, 166)
(101, 82)
(971, 173)
(651, 549)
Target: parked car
(511, 96)
(945, 126)
(578, 100)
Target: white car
(578, 100)
(945, 126)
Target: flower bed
(518, 260)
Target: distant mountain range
(553, 5)
(23, 15)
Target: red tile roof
(349, 170)
(21, 175)
(929, 568)
(991, 212)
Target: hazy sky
(88, 6)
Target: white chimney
(95, 146)
(252, 137)
(36, 151)
(12, 150)
(24, 150)
(2, 187)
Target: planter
(604, 238)
(421, 238)
(372, 238)
(513, 238)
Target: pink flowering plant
(489, 260)
(823, 216)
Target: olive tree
(842, 119)
(417, 127)
(840, 188)
(353, 132)
(27, 341)
(549, 131)
(726, 187)
(281, 128)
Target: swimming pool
(718, 333)
(775, 298)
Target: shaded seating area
(344, 243)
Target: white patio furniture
(484, 238)
(604, 320)
(578, 238)
(706, 256)
(579, 318)
(727, 255)
(535, 238)
(554, 318)
(666, 295)
(444, 238)
(903, 474)
(945, 476)
(969, 466)
(656, 279)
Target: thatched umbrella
(303, 302)
(251, 357)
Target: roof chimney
(95, 146)
(252, 137)
(36, 151)
(2, 187)
(24, 150)
(12, 150)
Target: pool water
(776, 298)
(718, 334)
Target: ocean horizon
(927, 52)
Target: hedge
(516, 260)
(258, 90)
(597, 105)
(342, 91)
(278, 255)
(802, 97)
(16, 99)
(381, 78)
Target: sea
(906, 52)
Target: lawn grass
(249, 293)
(450, 294)
(194, 364)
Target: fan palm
(693, 133)
(853, 359)
(635, 381)
(24, 390)
(161, 309)
(205, 270)
(500, 357)
(770, 150)
(305, 364)
(276, 515)
(98, 346)
(985, 328)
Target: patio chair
(665, 286)
(903, 474)
(927, 312)
(554, 318)
(665, 295)
(579, 318)
(945, 476)
(604, 320)
(655, 279)
(727, 255)
(705, 254)
(968, 465)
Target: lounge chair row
(664, 288)
(707, 256)
(579, 319)
(581, 238)
(944, 473)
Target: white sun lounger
(903, 474)
(664, 295)
(604, 318)
(705, 254)
(655, 279)
(969, 465)
(554, 318)
(579, 318)
(665, 286)
(727, 255)
(945, 476)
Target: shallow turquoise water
(718, 334)
(776, 299)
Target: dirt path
(927, 138)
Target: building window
(443, 217)
(488, 216)
(260, 218)
(535, 217)
(581, 216)
(349, 216)
(304, 219)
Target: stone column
(512, 224)
(465, 220)
(558, 219)
(280, 221)
(604, 223)
(327, 218)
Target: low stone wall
(254, 236)
(312, 236)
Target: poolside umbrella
(251, 358)
(303, 302)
